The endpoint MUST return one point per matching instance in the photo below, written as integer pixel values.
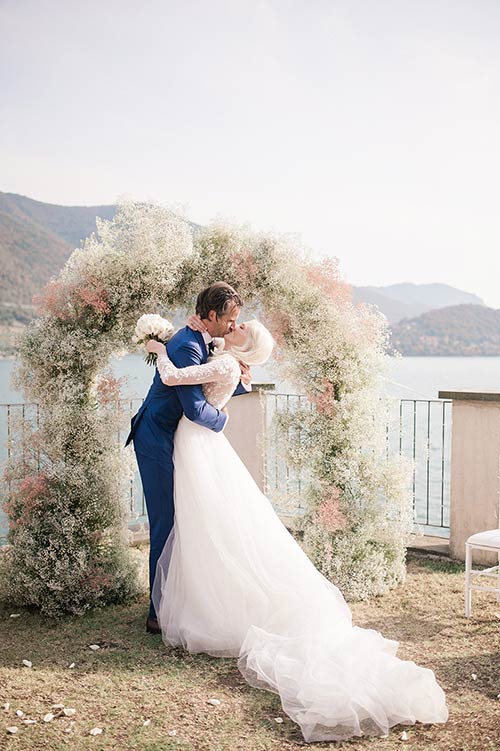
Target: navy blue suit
(153, 428)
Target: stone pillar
(475, 468)
(246, 429)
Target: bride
(232, 581)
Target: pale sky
(369, 127)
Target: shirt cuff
(226, 422)
(247, 386)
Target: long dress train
(232, 581)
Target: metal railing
(10, 417)
(425, 437)
(284, 484)
(419, 429)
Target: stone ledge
(428, 544)
(256, 386)
(471, 396)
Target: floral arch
(68, 548)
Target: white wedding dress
(232, 581)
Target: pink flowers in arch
(67, 301)
(279, 324)
(324, 400)
(326, 276)
(30, 494)
(245, 265)
(329, 513)
(94, 297)
(108, 389)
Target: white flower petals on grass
(474, 676)
(171, 733)
(404, 736)
(29, 722)
(279, 720)
(15, 615)
(146, 723)
(12, 729)
(58, 706)
(6, 706)
(27, 663)
(71, 666)
(19, 713)
(213, 702)
(48, 717)
(94, 647)
(69, 712)
(95, 731)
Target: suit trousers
(157, 477)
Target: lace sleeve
(221, 368)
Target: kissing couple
(226, 576)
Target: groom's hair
(219, 297)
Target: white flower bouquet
(152, 326)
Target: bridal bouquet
(152, 326)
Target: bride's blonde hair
(258, 346)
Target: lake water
(421, 435)
(407, 378)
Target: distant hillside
(433, 295)
(394, 310)
(462, 330)
(407, 300)
(36, 239)
(71, 223)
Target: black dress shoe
(152, 626)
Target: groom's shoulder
(185, 348)
(184, 337)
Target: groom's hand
(246, 373)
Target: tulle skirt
(232, 581)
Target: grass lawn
(133, 678)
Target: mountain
(394, 310)
(71, 223)
(432, 295)
(461, 330)
(36, 239)
(407, 300)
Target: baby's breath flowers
(68, 476)
(332, 350)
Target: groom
(154, 425)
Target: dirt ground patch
(133, 678)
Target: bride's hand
(153, 346)
(246, 373)
(196, 324)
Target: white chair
(489, 540)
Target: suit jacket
(164, 405)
